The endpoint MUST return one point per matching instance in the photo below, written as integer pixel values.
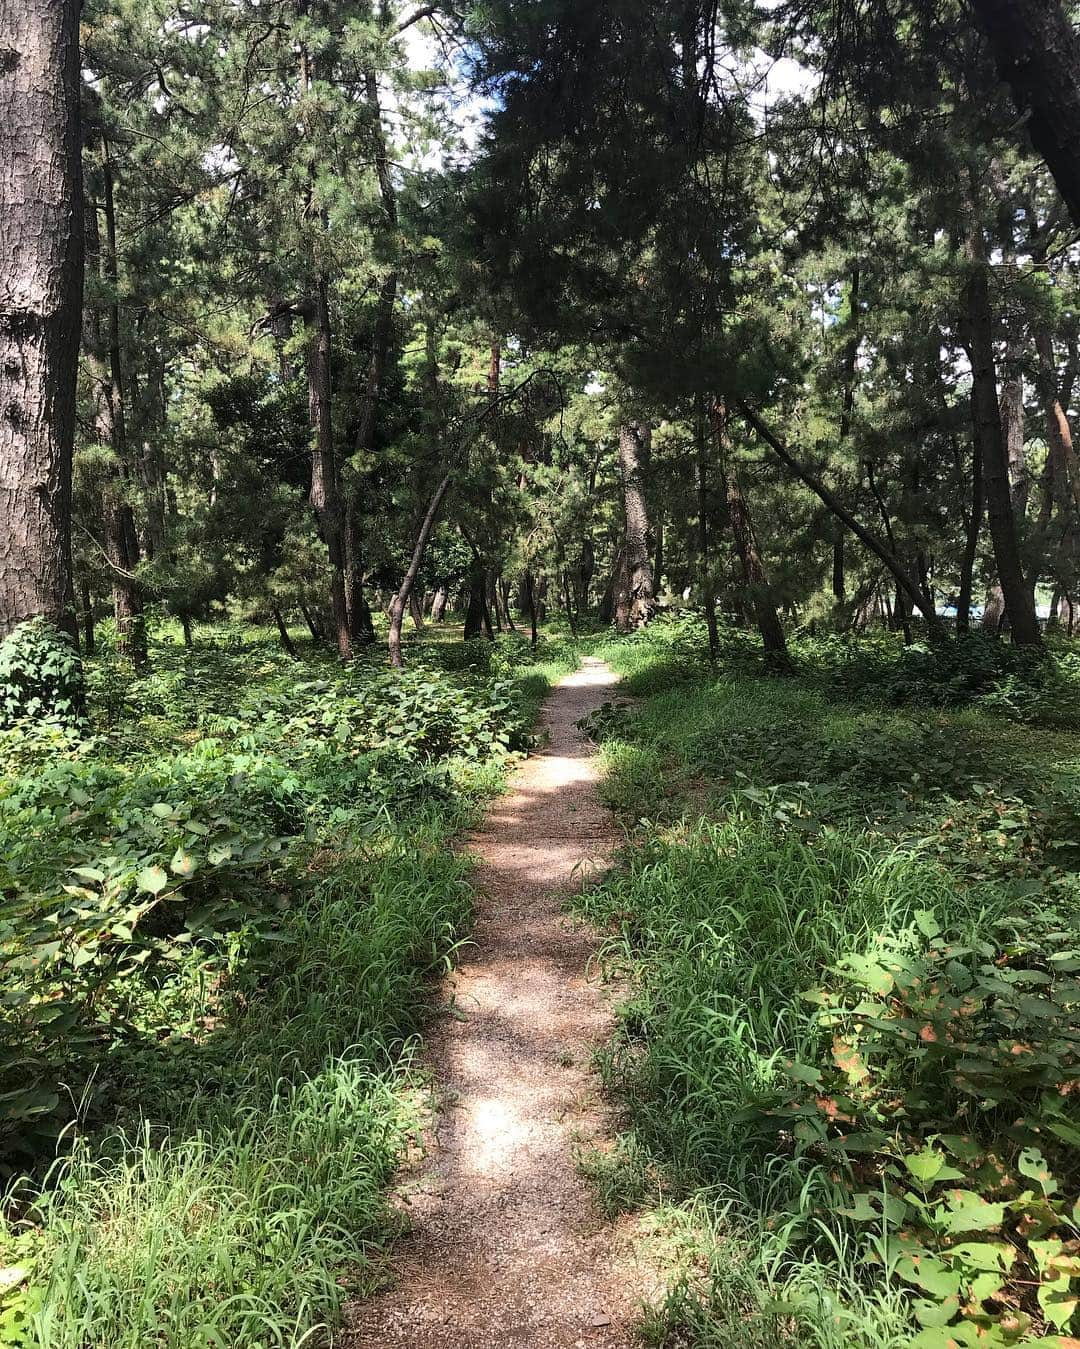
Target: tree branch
(832, 503)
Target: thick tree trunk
(635, 600)
(1038, 55)
(746, 547)
(1019, 596)
(439, 603)
(477, 620)
(41, 268)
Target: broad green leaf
(152, 879)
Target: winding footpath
(507, 1246)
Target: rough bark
(635, 594)
(41, 268)
(1019, 595)
(1037, 54)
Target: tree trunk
(41, 271)
(283, 632)
(438, 604)
(934, 627)
(313, 627)
(503, 594)
(847, 409)
(746, 547)
(474, 611)
(1019, 596)
(121, 538)
(1038, 55)
(325, 495)
(401, 599)
(971, 543)
(636, 597)
(89, 638)
(1062, 456)
(568, 604)
(708, 589)
(361, 627)
(530, 597)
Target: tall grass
(254, 1211)
(771, 832)
(240, 1197)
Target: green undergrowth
(223, 900)
(849, 1051)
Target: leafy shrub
(40, 676)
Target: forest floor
(507, 1245)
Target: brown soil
(507, 1247)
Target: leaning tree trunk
(41, 269)
(1037, 54)
(911, 587)
(401, 599)
(1019, 596)
(635, 600)
(746, 547)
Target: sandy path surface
(507, 1246)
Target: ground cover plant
(222, 896)
(849, 1057)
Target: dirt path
(507, 1247)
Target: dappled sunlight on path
(507, 1247)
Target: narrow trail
(508, 1247)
